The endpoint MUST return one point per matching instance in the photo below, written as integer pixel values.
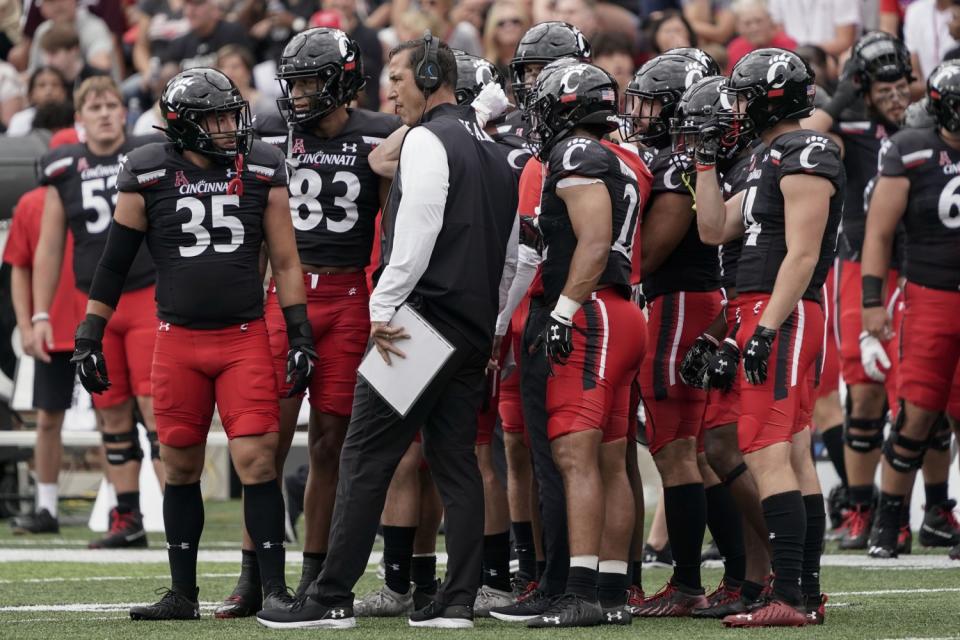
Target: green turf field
(58, 594)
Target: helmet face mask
(708, 104)
(331, 60)
(206, 114)
(641, 118)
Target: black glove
(301, 356)
(847, 91)
(694, 363)
(557, 337)
(721, 370)
(530, 234)
(756, 353)
(88, 354)
(708, 145)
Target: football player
(205, 201)
(880, 71)
(917, 184)
(589, 210)
(700, 104)
(82, 199)
(334, 200)
(681, 286)
(788, 216)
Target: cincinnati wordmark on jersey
(204, 239)
(86, 184)
(932, 218)
(693, 265)
(570, 162)
(861, 143)
(800, 152)
(334, 194)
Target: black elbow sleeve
(122, 246)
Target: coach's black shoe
(424, 595)
(39, 522)
(437, 615)
(617, 615)
(568, 610)
(172, 606)
(528, 606)
(126, 531)
(279, 600)
(940, 526)
(306, 613)
(657, 557)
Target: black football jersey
(898, 258)
(87, 185)
(586, 158)
(204, 241)
(693, 265)
(334, 194)
(734, 181)
(932, 218)
(516, 149)
(764, 241)
(861, 141)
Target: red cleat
(671, 602)
(635, 598)
(776, 613)
(816, 607)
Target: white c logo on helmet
(565, 85)
(779, 62)
(805, 154)
(694, 74)
(568, 155)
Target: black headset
(427, 74)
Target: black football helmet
(878, 56)
(473, 74)
(568, 94)
(662, 79)
(703, 105)
(943, 95)
(189, 98)
(919, 116)
(542, 44)
(776, 85)
(332, 59)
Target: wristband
(91, 328)
(872, 292)
(43, 316)
(566, 307)
(709, 338)
(705, 167)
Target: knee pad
(940, 440)
(154, 440)
(902, 463)
(734, 474)
(870, 437)
(130, 452)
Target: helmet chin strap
(235, 186)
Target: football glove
(557, 338)
(721, 370)
(756, 354)
(530, 234)
(88, 354)
(490, 103)
(300, 365)
(694, 363)
(873, 357)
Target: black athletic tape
(735, 473)
(299, 331)
(154, 440)
(122, 245)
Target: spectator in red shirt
(756, 29)
(53, 381)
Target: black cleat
(838, 504)
(172, 606)
(528, 605)
(126, 531)
(657, 557)
(568, 610)
(905, 540)
(883, 543)
(723, 602)
(245, 601)
(442, 616)
(859, 520)
(422, 596)
(306, 613)
(940, 526)
(619, 615)
(39, 522)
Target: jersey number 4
(218, 220)
(305, 188)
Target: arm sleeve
(508, 276)
(527, 262)
(425, 179)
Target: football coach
(446, 227)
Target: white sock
(613, 566)
(587, 562)
(47, 496)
